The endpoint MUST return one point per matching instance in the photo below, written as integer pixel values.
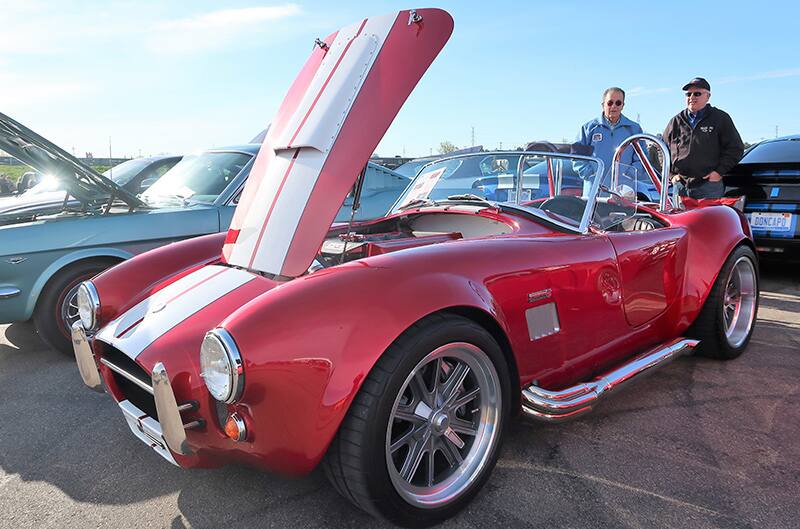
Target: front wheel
(725, 324)
(57, 307)
(423, 433)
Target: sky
(135, 78)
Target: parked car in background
(381, 188)
(46, 252)
(28, 180)
(134, 176)
(411, 168)
(395, 352)
(768, 176)
(138, 174)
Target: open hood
(82, 182)
(330, 122)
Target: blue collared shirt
(605, 137)
(695, 117)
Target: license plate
(771, 221)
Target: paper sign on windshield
(423, 185)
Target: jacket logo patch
(707, 128)
(597, 136)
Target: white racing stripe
(150, 319)
(303, 145)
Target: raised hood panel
(84, 183)
(332, 119)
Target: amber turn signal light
(234, 427)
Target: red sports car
(395, 351)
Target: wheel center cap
(440, 422)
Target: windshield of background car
(123, 173)
(555, 187)
(199, 177)
(410, 169)
(776, 151)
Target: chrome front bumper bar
(557, 406)
(85, 358)
(169, 426)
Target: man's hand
(675, 179)
(713, 176)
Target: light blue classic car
(46, 252)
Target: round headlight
(88, 305)
(221, 366)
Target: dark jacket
(713, 145)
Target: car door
(651, 267)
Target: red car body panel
(272, 238)
(309, 343)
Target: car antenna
(356, 205)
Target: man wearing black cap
(703, 143)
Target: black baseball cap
(699, 82)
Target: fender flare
(328, 359)
(67, 260)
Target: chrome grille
(131, 378)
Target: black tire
(359, 458)
(718, 338)
(48, 316)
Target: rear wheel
(725, 324)
(423, 433)
(57, 307)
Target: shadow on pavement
(699, 444)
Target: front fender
(32, 295)
(308, 345)
(127, 284)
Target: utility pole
(473, 136)
(776, 131)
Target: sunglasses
(695, 94)
(611, 103)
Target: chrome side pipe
(558, 406)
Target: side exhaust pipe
(558, 406)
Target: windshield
(775, 151)
(556, 187)
(410, 169)
(123, 173)
(201, 177)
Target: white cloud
(19, 91)
(216, 29)
(641, 91)
(762, 76)
(774, 74)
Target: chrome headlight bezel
(233, 376)
(88, 302)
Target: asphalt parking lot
(699, 444)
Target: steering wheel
(566, 206)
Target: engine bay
(407, 231)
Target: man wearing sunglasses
(703, 143)
(605, 133)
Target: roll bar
(663, 185)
